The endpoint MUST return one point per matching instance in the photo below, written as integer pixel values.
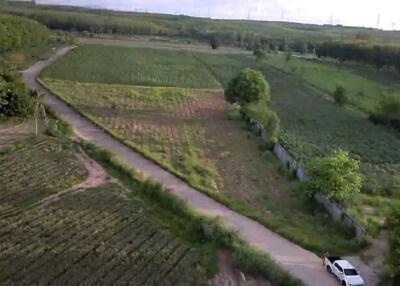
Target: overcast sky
(345, 12)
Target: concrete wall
(337, 213)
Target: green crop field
(38, 168)
(118, 65)
(187, 131)
(312, 126)
(224, 68)
(365, 85)
(92, 238)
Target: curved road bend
(299, 262)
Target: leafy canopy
(336, 176)
(247, 87)
(15, 99)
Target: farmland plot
(34, 170)
(97, 237)
(365, 85)
(187, 131)
(100, 64)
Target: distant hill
(232, 32)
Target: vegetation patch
(133, 66)
(35, 169)
(365, 86)
(96, 236)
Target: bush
(260, 53)
(393, 260)
(340, 96)
(247, 87)
(268, 119)
(336, 176)
(214, 43)
(389, 112)
(15, 99)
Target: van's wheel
(343, 283)
(328, 268)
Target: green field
(95, 237)
(34, 170)
(365, 85)
(118, 65)
(105, 235)
(187, 131)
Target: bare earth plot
(14, 130)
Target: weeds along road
(299, 262)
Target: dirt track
(299, 262)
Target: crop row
(90, 238)
(145, 67)
(41, 167)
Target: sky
(368, 13)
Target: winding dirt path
(299, 262)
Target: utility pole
(248, 15)
(283, 15)
(331, 20)
(378, 21)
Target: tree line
(361, 51)
(19, 32)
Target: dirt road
(299, 262)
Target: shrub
(393, 260)
(389, 112)
(15, 99)
(336, 176)
(264, 115)
(340, 96)
(260, 53)
(248, 86)
(214, 43)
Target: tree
(260, 53)
(14, 97)
(393, 260)
(247, 87)
(337, 176)
(288, 56)
(340, 96)
(214, 42)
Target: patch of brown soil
(230, 276)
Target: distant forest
(243, 33)
(18, 32)
(362, 51)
